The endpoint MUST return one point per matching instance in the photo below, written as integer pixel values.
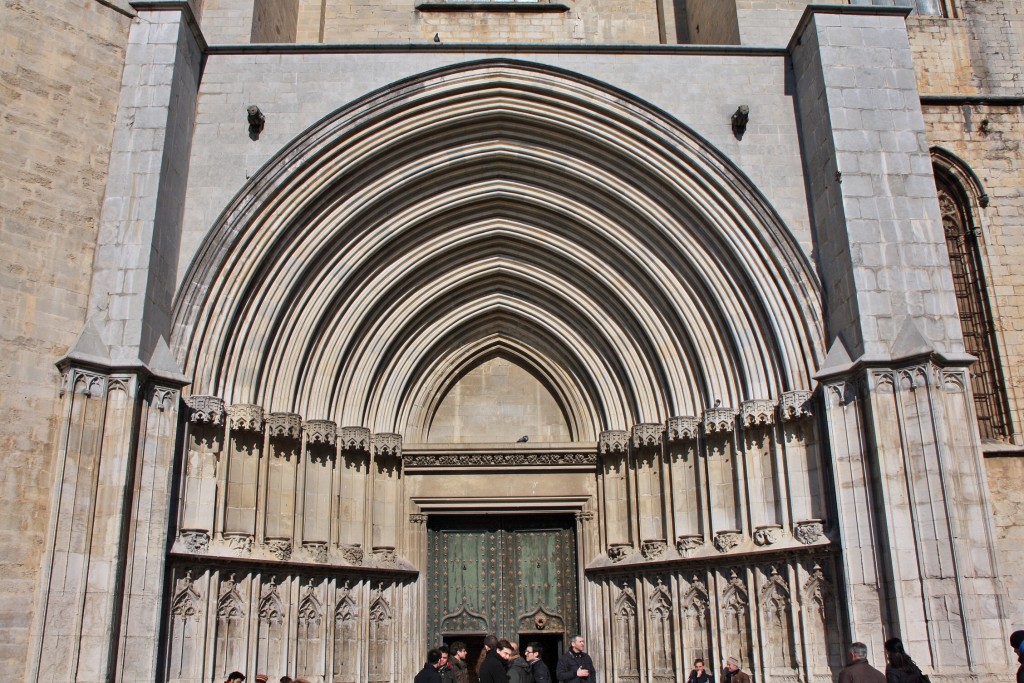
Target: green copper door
(511, 575)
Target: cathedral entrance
(511, 575)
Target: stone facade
(677, 273)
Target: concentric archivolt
(498, 207)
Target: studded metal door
(511, 575)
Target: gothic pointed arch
(498, 206)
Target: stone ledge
(456, 6)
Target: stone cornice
(571, 456)
(870, 362)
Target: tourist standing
(858, 670)
(699, 674)
(540, 671)
(900, 668)
(495, 666)
(575, 666)
(429, 672)
(457, 658)
(490, 640)
(1017, 643)
(444, 666)
(518, 668)
(733, 673)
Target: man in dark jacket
(457, 659)
(494, 668)
(541, 673)
(733, 673)
(858, 670)
(575, 666)
(429, 673)
(1017, 643)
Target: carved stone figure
(727, 540)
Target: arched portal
(660, 323)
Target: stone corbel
(613, 441)
(205, 410)
(795, 405)
(387, 445)
(757, 413)
(355, 439)
(647, 435)
(284, 426)
(245, 417)
(682, 428)
(719, 420)
(323, 432)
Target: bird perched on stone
(523, 439)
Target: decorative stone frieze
(417, 518)
(163, 399)
(647, 435)
(653, 549)
(757, 413)
(688, 543)
(613, 441)
(719, 420)
(284, 425)
(795, 405)
(387, 445)
(683, 428)
(768, 535)
(584, 516)
(355, 439)
(240, 543)
(809, 531)
(617, 552)
(727, 540)
(245, 417)
(195, 540)
(498, 459)
(281, 548)
(353, 554)
(320, 432)
(205, 410)
(318, 551)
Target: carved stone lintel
(613, 441)
(768, 535)
(205, 410)
(647, 435)
(795, 405)
(683, 428)
(727, 540)
(355, 439)
(353, 554)
(719, 420)
(385, 555)
(686, 544)
(525, 459)
(653, 549)
(195, 540)
(619, 551)
(317, 550)
(281, 548)
(757, 413)
(284, 425)
(387, 445)
(417, 518)
(809, 531)
(241, 543)
(320, 432)
(245, 417)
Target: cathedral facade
(341, 329)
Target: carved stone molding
(613, 441)
(809, 531)
(841, 393)
(688, 543)
(953, 381)
(284, 425)
(245, 417)
(795, 405)
(163, 398)
(387, 445)
(241, 543)
(683, 428)
(584, 516)
(320, 432)
(719, 420)
(318, 551)
(617, 552)
(757, 413)
(353, 554)
(417, 518)
(84, 382)
(653, 549)
(355, 439)
(385, 556)
(727, 540)
(281, 548)
(195, 540)
(768, 535)
(647, 435)
(498, 459)
(205, 410)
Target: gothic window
(963, 243)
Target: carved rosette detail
(284, 425)
(353, 554)
(648, 435)
(241, 543)
(727, 540)
(683, 428)
(355, 439)
(719, 420)
(654, 549)
(385, 555)
(387, 445)
(613, 441)
(795, 405)
(205, 409)
(246, 417)
(317, 550)
(757, 413)
(195, 540)
(320, 432)
(688, 543)
(810, 531)
(768, 535)
(617, 552)
(280, 548)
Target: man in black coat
(575, 666)
(495, 665)
(540, 671)
(429, 673)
